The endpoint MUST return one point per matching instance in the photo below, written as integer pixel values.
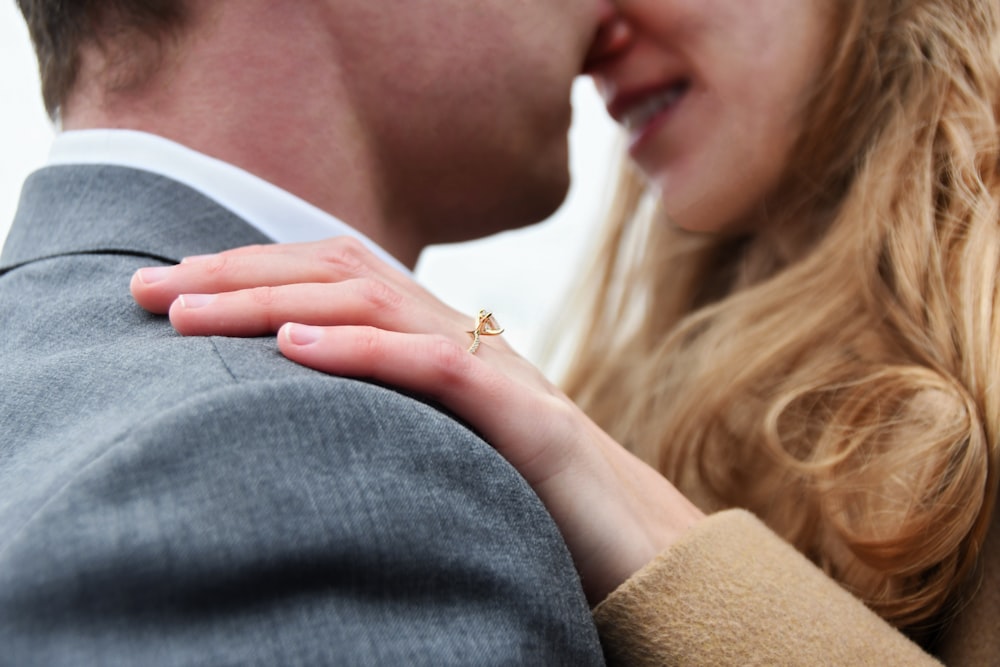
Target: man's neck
(243, 104)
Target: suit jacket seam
(222, 359)
(119, 252)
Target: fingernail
(154, 274)
(302, 334)
(197, 258)
(192, 301)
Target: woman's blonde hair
(836, 373)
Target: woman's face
(711, 94)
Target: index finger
(331, 260)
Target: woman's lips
(642, 113)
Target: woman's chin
(705, 216)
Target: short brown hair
(60, 29)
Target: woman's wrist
(641, 515)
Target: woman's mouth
(642, 113)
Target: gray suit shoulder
(300, 520)
(171, 501)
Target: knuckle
(344, 256)
(449, 360)
(262, 296)
(379, 295)
(215, 266)
(367, 343)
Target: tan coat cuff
(731, 592)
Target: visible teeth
(642, 113)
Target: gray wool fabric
(204, 501)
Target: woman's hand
(355, 316)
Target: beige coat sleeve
(731, 592)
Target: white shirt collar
(277, 213)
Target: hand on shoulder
(338, 309)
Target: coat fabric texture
(731, 592)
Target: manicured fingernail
(197, 258)
(302, 334)
(192, 301)
(154, 274)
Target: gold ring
(486, 325)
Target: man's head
(418, 121)
(134, 31)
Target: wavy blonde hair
(837, 374)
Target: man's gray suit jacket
(174, 501)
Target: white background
(519, 275)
